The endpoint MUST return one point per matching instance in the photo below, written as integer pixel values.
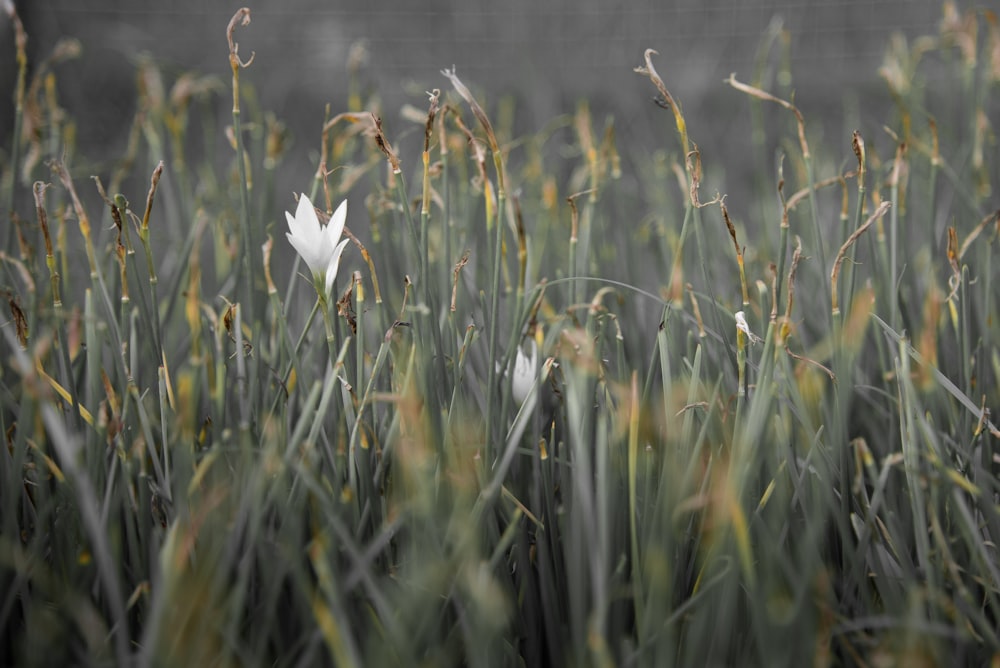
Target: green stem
(493, 325)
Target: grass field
(556, 405)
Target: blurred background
(548, 55)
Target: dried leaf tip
(649, 70)
(242, 16)
(154, 181)
(477, 111)
(384, 145)
(435, 99)
(858, 144)
(667, 101)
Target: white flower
(317, 244)
(741, 324)
(524, 373)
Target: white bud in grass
(741, 324)
(524, 373)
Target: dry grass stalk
(764, 95)
(835, 272)
(667, 100)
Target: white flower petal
(307, 251)
(337, 220)
(305, 213)
(293, 225)
(334, 265)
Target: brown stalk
(796, 258)
(39, 189)
(474, 144)
(435, 98)
(480, 115)
(692, 163)
(835, 272)
(574, 220)
(366, 256)
(477, 111)
(83, 220)
(974, 234)
(800, 195)
(344, 308)
(772, 269)
(764, 95)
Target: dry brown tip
(575, 213)
(477, 111)
(835, 272)
(858, 144)
(693, 165)
(435, 98)
(242, 16)
(154, 181)
(39, 189)
(20, 322)
(384, 145)
(650, 70)
(753, 91)
(974, 234)
(796, 258)
(729, 224)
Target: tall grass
(756, 434)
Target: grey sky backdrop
(547, 53)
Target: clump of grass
(778, 460)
